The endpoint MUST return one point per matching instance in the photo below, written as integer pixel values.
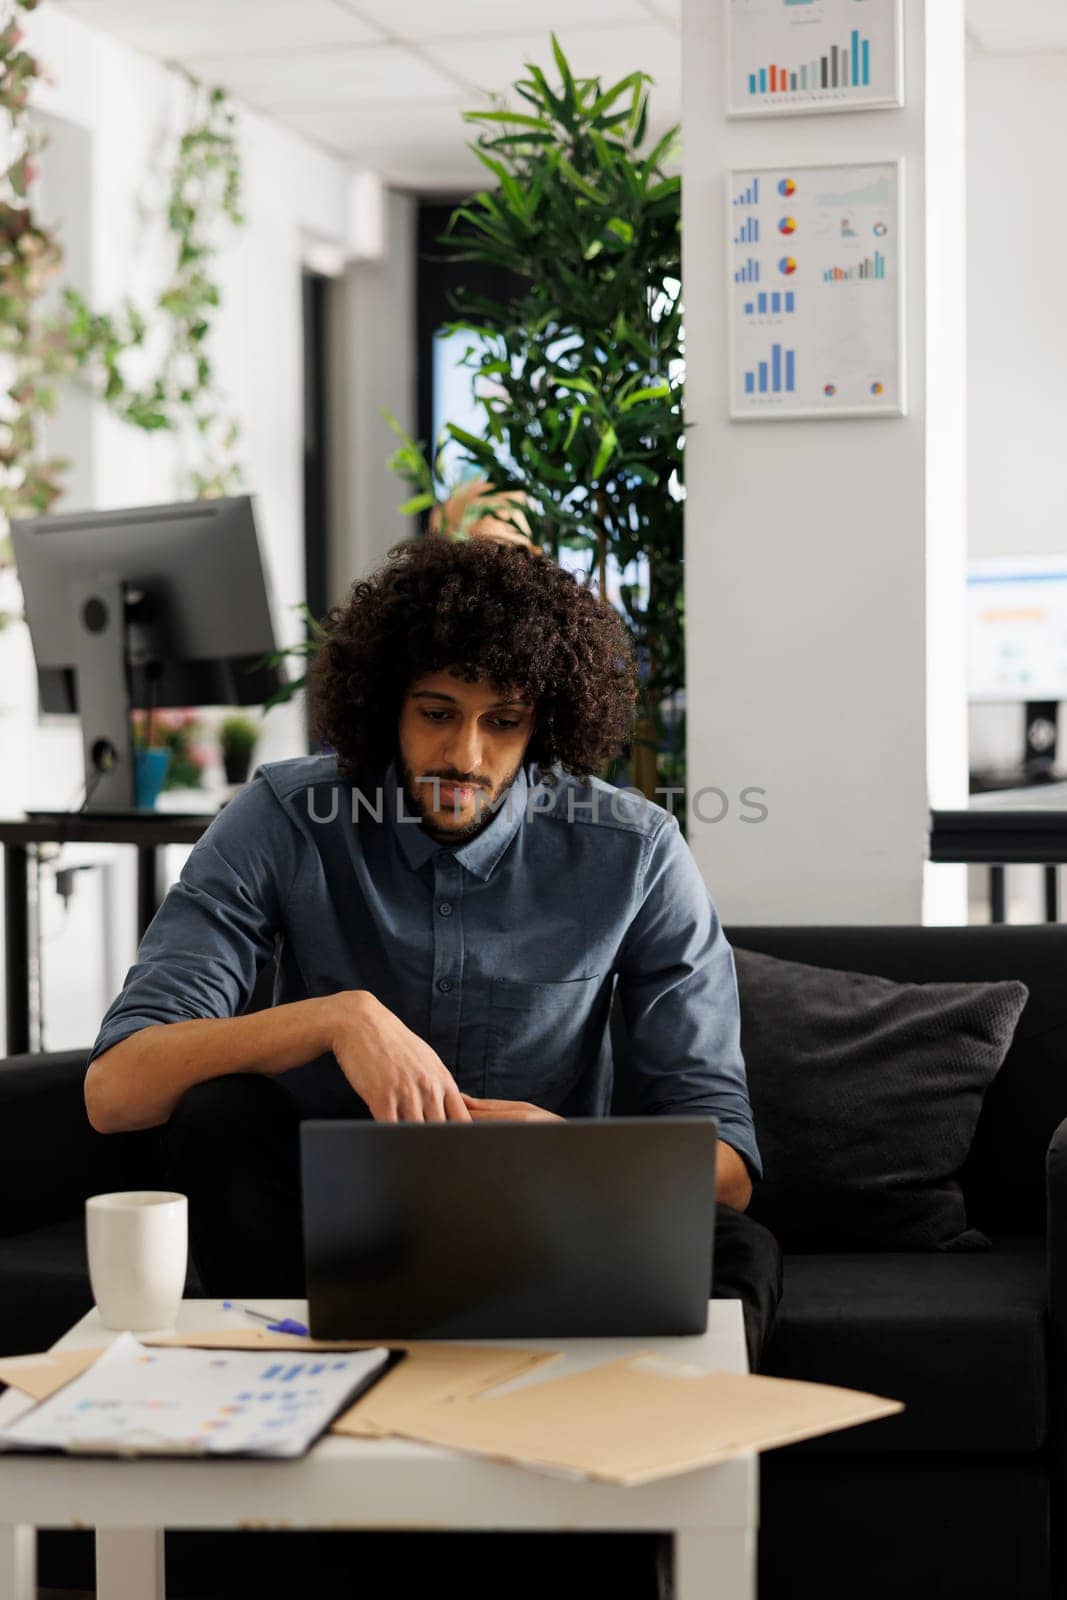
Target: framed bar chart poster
(815, 272)
(785, 57)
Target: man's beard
(456, 835)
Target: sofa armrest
(1056, 1182)
(50, 1157)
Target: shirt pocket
(534, 1038)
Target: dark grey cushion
(866, 1094)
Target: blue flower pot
(149, 771)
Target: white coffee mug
(138, 1246)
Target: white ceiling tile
(310, 79)
(426, 168)
(421, 146)
(355, 129)
(315, 66)
(609, 54)
(174, 29)
(1026, 25)
(421, 20)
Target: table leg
(998, 911)
(148, 895)
(1052, 894)
(18, 1563)
(714, 1565)
(129, 1564)
(17, 948)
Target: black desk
(18, 835)
(1004, 827)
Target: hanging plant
(205, 188)
(42, 350)
(37, 355)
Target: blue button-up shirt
(502, 952)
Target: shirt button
(445, 908)
(444, 984)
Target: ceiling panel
(426, 166)
(494, 64)
(310, 79)
(174, 29)
(1019, 26)
(420, 147)
(334, 72)
(422, 20)
(356, 129)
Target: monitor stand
(101, 662)
(1039, 757)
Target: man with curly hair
(450, 897)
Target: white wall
(1017, 340)
(294, 195)
(1016, 303)
(824, 559)
(1017, 370)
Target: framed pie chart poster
(785, 57)
(815, 274)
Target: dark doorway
(436, 281)
(316, 463)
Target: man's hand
(506, 1110)
(401, 1078)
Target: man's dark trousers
(232, 1145)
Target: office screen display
(1017, 628)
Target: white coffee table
(381, 1483)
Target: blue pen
(286, 1325)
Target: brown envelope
(628, 1421)
(634, 1420)
(41, 1375)
(432, 1374)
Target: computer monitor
(140, 608)
(1017, 628)
(1017, 652)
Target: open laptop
(442, 1230)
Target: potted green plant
(177, 731)
(238, 737)
(577, 363)
(150, 761)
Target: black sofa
(956, 1496)
(962, 1493)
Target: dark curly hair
(486, 610)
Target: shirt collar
(480, 854)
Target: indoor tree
(577, 364)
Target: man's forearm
(733, 1186)
(139, 1081)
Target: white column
(372, 367)
(824, 559)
